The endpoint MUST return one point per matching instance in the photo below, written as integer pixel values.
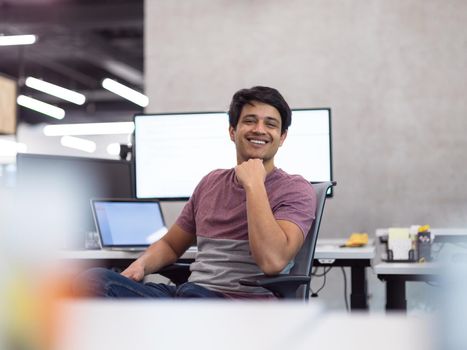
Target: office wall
(392, 71)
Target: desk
(397, 274)
(327, 253)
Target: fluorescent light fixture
(125, 92)
(41, 107)
(124, 71)
(89, 129)
(10, 148)
(113, 149)
(78, 143)
(7, 40)
(55, 90)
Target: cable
(315, 274)
(322, 274)
(345, 289)
(315, 294)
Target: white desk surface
(330, 249)
(427, 268)
(188, 324)
(325, 249)
(112, 254)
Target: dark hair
(262, 94)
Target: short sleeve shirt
(216, 214)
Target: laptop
(128, 224)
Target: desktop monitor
(56, 192)
(173, 152)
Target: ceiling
(80, 42)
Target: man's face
(258, 133)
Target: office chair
(296, 284)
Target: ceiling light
(41, 107)
(113, 149)
(124, 71)
(10, 148)
(89, 129)
(125, 92)
(6, 40)
(78, 143)
(55, 90)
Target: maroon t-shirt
(216, 214)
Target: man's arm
(273, 243)
(164, 252)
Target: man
(247, 220)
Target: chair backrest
(304, 258)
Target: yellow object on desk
(357, 240)
(424, 228)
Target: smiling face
(258, 133)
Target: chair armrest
(178, 273)
(283, 286)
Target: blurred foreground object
(31, 281)
(229, 325)
(453, 301)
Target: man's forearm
(160, 254)
(267, 239)
(157, 256)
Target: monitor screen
(56, 191)
(125, 223)
(174, 151)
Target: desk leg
(358, 296)
(395, 294)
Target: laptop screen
(128, 223)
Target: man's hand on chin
(251, 173)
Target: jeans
(101, 282)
